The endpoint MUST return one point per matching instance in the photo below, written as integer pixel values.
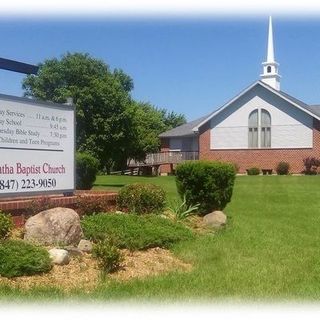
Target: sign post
(36, 147)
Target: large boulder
(54, 226)
(215, 219)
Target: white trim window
(259, 129)
(265, 129)
(253, 129)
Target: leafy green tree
(172, 119)
(124, 79)
(149, 122)
(110, 125)
(101, 98)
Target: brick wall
(261, 158)
(18, 207)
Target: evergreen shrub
(207, 183)
(134, 232)
(19, 258)
(87, 168)
(141, 198)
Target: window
(260, 128)
(265, 129)
(253, 129)
(268, 69)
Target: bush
(311, 165)
(254, 171)
(18, 258)
(283, 168)
(108, 255)
(141, 198)
(87, 169)
(205, 182)
(40, 204)
(87, 205)
(6, 225)
(134, 232)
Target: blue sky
(190, 66)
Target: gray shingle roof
(183, 130)
(186, 129)
(314, 109)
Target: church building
(259, 127)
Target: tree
(149, 122)
(172, 119)
(101, 98)
(110, 125)
(124, 79)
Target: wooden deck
(170, 157)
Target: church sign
(36, 147)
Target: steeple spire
(270, 74)
(270, 56)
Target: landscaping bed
(83, 272)
(269, 248)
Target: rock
(54, 226)
(215, 219)
(73, 251)
(59, 256)
(85, 246)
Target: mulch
(83, 273)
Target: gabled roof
(192, 127)
(314, 108)
(183, 130)
(311, 110)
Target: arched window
(265, 129)
(253, 129)
(268, 69)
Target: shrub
(108, 255)
(311, 165)
(40, 204)
(134, 232)
(87, 205)
(19, 258)
(6, 225)
(283, 168)
(205, 182)
(87, 169)
(141, 198)
(254, 171)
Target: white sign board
(36, 147)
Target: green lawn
(269, 250)
(116, 182)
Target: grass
(116, 182)
(269, 250)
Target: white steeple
(270, 74)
